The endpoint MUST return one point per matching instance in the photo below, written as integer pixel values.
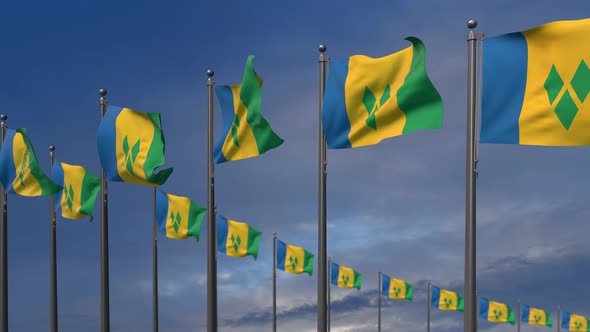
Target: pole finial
(210, 73)
(472, 24)
(51, 148)
(102, 92)
(3, 117)
(323, 48)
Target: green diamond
(566, 110)
(553, 84)
(581, 81)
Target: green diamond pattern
(235, 241)
(553, 84)
(566, 110)
(294, 262)
(581, 81)
(175, 218)
(447, 302)
(396, 291)
(345, 280)
(23, 169)
(69, 196)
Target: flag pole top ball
(102, 92)
(51, 148)
(3, 117)
(323, 48)
(472, 24)
(210, 73)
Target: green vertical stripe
(409, 292)
(357, 280)
(196, 214)
(548, 321)
(251, 96)
(155, 156)
(460, 303)
(417, 97)
(253, 241)
(308, 262)
(510, 318)
(90, 188)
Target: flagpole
(52, 252)
(3, 245)
(155, 267)
(558, 318)
(470, 316)
(429, 299)
(274, 282)
(518, 317)
(323, 321)
(211, 247)
(329, 288)
(379, 302)
(105, 322)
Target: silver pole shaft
(470, 316)
(211, 234)
(558, 318)
(274, 282)
(429, 299)
(105, 321)
(518, 317)
(155, 266)
(329, 289)
(52, 253)
(323, 321)
(3, 246)
(379, 301)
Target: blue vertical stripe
(57, 175)
(335, 268)
(525, 313)
(565, 320)
(505, 60)
(161, 211)
(222, 234)
(385, 280)
(435, 297)
(7, 168)
(226, 102)
(484, 307)
(107, 143)
(281, 254)
(334, 116)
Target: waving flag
(294, 259)
(534, 316)
(77, 198)
(237, 239)
(178, 217)
(495, 312)
(396, 288)
(345, 277)
(446, 300)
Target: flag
(574, 322)
(535, 316)
(246, 132)
(131, 146)
(237, 239)
(367, 100)
(178, 217)
(535, 86)
(293, 259)
(396, 289)
(446, 300)
(77, 198)
(345, 277)
(495, 311)
(20, 172)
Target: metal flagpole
(429, 299)
(3, 245)
(470, 316)
(274, 282)
(558, 318)
(379, 302)
(323, 321)
(329, 289)
(211, 247)
(105, 322)
(155, 267)
(518, 317)
(52, 253)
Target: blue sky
(396, 207)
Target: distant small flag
(345, 277)
(237, 239)
(178, 217)
(246, 133)
(81, 187)
(371, 99)
(446, 300)
(396, 288)
(495, 312)
(294, 259)
(131, 147)
(574, 322)
(534, 316)
(20, 172)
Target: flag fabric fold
(534, 316)
(446, 300)
(574, 322)
(81, 187)
(396, 289)
(495, 312)
(178, 217)
(345, 277)
(293, 259)
(237, 239)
